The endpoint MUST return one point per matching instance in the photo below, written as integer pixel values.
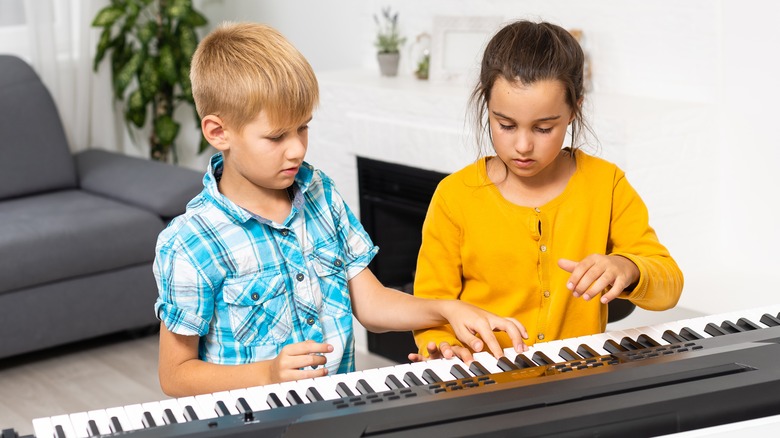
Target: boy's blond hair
(241, 69)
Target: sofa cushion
(34, 149)
(71, 233)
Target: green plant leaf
(103, 45)
(126, 73)
(195, 19)
(179, 9)
(149, 78)
(188, 42)
(107, 16)
(166, 129)
(136, 108)
(167, 67)
(146, 32)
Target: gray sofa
(77, 232)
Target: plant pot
(388, 63)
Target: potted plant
(150, 43)
(388, 42)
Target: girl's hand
(608, 275)
(468, 321)
(291, 361)
(443, 351)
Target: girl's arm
(182, 373)
(381, 309)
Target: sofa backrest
(34, 153)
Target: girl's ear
(214, 132)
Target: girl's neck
(535, 191)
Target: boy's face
(268, 156)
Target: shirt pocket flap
(328, 259)
(253, 289)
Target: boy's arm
(182, 373)
(381, 309)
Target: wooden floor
(103, 373)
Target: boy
(258, 280)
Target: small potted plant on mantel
(388, 42)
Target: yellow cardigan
(480, 248)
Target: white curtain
(60, 46)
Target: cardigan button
(540, 336)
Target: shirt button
(547, 294)
(299, 277)
(540, 336)
(537, 209)
(310, 320)
(543, 248)
(255, 296)
(285, 232)
(337, 263)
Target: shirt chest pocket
(258, 308)
(328, 263)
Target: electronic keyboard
(646, 381)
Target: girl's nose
(524, 143)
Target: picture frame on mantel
(457, 44)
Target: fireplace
(393, 202)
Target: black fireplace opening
(393, 202)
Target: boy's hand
(467, 321)
(443, 351)
(288, 364)
(608, 275)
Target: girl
(540, 232)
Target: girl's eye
(506, 127)
(544, 130)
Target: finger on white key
(43, 427)
(101, 421)
(78, 422)
(118, 421)
(62, 426)
(153, 414)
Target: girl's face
(528, 125)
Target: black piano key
(343, 390)
(429, 376)
(221, 409)
(92, 428)
(477, 369)
(293, 398)
(672, 337)
(747, 324)
(769, 320)
(392, 382)
(586, 352)
(147, 420)
(412, 380)
(731, 327)
(630, 344)
(364, 388)
(542, 359)
(168, 417)
(189, 414)
(59, 432)
(690, 334)
(115, 425)
(506, 365)
(243, 406)
(313, 395)
(523, 361)
(646, 341)
(273, 401)
(713, 329)
(568, 354)
(459, 373)
(613, 347)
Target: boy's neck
(272, 204)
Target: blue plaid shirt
(249, 286)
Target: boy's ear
(213, 130)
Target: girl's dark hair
(529, 52)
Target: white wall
(716, 54)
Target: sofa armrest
(161, 188)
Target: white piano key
(376, 377)
(442, 367)
(350, 380)
(155, 410)
(79, 422)
(257, 396)
(43, 427)
(228, 399)
(176, 408)
(135, 413)
(299, 386)
(203, 414)
(326, 386)
(488, 361)
(121, 415)
(550, 348)
(101, 419)
(207, 405)
(64, 422)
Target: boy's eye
(303, 128)
(277, 138)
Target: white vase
(388, 63)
